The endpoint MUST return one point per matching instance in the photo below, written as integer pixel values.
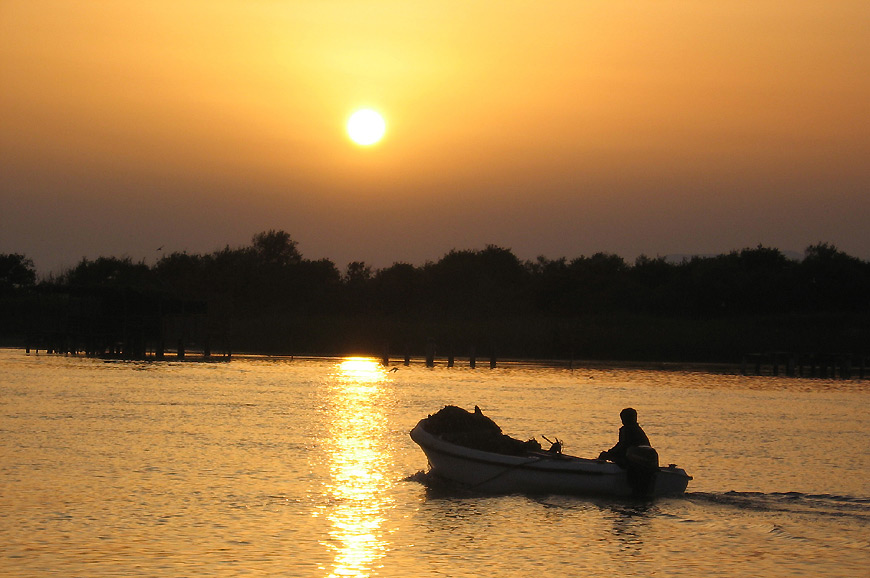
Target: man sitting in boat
(631, 435)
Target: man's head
(628, 416)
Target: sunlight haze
(562, 129)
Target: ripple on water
(304, 468)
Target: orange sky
(560, 128)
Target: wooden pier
(818, 365)
(430, 357)
(126, 324)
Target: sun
(366, 127)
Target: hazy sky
(557, 128)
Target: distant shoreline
(461, 362)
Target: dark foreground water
(304, 468)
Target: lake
(304, 467)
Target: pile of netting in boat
(475, 430)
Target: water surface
(264, 467)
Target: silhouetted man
(630, 434)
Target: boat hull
(537, 473)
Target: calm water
(304, 468)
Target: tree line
(271, 299)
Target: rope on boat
(506, 470)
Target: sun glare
(366, 127)
(361, 369)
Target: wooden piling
(846, 367)
(430, 354)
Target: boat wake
(790, 502)
(438, 487)
(829, 505)
(419, 477)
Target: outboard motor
(642, 466)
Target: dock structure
(123, 323)
(430, 356)
(818, 365)
(771, 363)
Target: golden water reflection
(359, 457)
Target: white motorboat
(542, 472)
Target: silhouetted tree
(742, 282)
(276, 248)
(598, 283)
(317, 285)
(398, 289)
(274, 299)
(477, 283)
(16, 272)
(183, 274)
(108, 272)
(357, 274)
(834, 280)
(17, 281)
(551, 286)
(652, 286)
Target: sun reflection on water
(358, 459)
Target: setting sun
(366, 127)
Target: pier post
(846, 367)
(430, 354)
